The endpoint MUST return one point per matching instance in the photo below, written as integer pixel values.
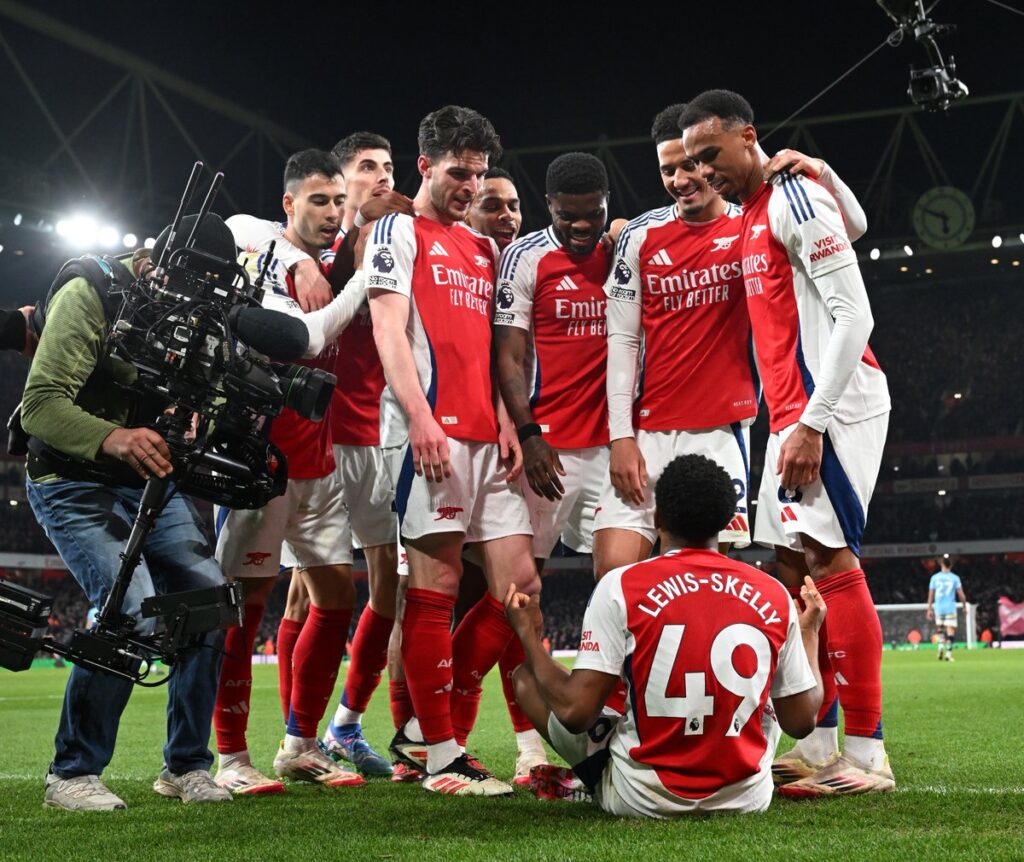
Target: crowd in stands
(956, 516)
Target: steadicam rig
(203, 352)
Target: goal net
(908, 625)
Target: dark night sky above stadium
(544, 73)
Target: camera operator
(85, 486)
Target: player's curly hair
(665, 126)
(309, 163)
(499, 174)
(695, 498)
(454, 129)
(731, 108)
(350, 146)
(576, 174)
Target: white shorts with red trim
(308, 525)
(368, 495)
(475, 500)
(832, 509)
(726, 445)
(572, 517)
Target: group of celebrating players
(497, 394)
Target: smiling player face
(579, 220)
(682, 180)
(727, 156)
(495, 211)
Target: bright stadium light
(997, 241)
(109, 236)
(942, 493)
(904, 269)
(62, 227)
(1021, 237)
(17, 219)
(958, 395)
(130, 240)
(875, 253)
(908, 251)
(81, 231)
(994, 261)
(150, 242)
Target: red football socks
(315, 665)
(427, 656)
(367, 660)
(479, 641)
(234, 688)
(401, 702)
(287, 634)
(828, 677)
(854, 641)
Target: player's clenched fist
(143, 449)
(523, 613)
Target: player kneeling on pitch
(702, 642)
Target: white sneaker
(525, 761)
(81, 793)
(244, 779)
(466, 776)
(195, 786)
(313, 765)
(844, 777)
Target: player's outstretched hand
(799, 458)
(813, 614)
(312, 290)
(543, 467)
(523, 613)
(793, 162)
(381, 204)
(430, 454)
(142, 449)
(628, 470)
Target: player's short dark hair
(731, 108)
(945, 562)
(350, 146)
(695, 498)
(309, 163)
(665, 126)
(576, 174)
(454, 129)
(499, 174)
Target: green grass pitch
(955, 736)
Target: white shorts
(726, 445)
(946, 621)
(392, 458)
(832, 509)
(586, 474)
(366, 485)
(475, 500)
(309, 520)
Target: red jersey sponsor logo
(587, 644)
(828, 246)
(256, 558)
(448, 513)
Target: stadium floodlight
(81, 231)
(994, 261)
(928, 270)
(997, 241)
(958, 395)
(875, 253)
(1021, 237)
(109, 236)
(130, 240)
(17, 219)
(942, 492)
(904, 269)
(908, 251)
(150, 242)
(1, 249)
(62, 227)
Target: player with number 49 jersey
(699, 636)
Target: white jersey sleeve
(623, 313)
(853, 213)
(517, 283)
(603, 641)
(390, 254)
(806, 220)
(255, 234)
(793, 673)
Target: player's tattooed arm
(540, 462)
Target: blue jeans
(89, 524)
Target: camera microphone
(278, 336)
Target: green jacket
(70, 400)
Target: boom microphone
(278, 336)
